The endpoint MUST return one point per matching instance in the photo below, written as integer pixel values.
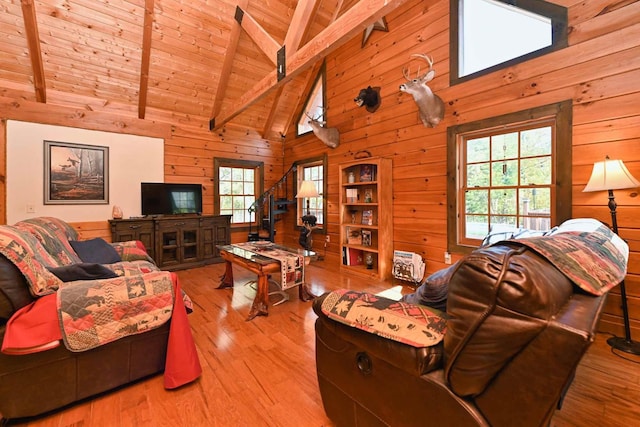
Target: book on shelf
(366, 238)
(367, 173)
(355, 256)
(367, 217)
(352, 195)
(368, 195)
(354, 236)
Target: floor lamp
(306, 191)
(612, 175)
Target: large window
(239, 183)
(513, 171)
(312, 170)
(492, 34)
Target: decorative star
(380, 25)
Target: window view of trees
(507, 180)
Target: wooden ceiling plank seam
(223, 81)
(299, 25)
(331, 38)
(146, 57)
(33, 43)
(267, 44)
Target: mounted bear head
(370, 98)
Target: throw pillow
(95, 250)
(82, 271)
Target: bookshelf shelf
(365, 216)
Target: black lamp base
(622, 344)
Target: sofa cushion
(82, 271)
(95, 250)
(410, 324)
(14, 291)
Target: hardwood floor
(262, 373)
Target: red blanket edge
(35, 328)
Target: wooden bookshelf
(366, 206)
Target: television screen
(170, 199)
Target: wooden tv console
(177, 242)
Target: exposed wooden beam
(299, 25)
(33, 42)
(225, 73)
(260, 36)
(146, 57)
(331, 38)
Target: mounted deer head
(429, 104)
(329, 136)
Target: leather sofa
(32, 384)
(516, 330)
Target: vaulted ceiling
(176, 60)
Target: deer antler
(427, 58)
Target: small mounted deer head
(430, 105)
(329, 136)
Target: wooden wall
(599, 71)
(189, 146)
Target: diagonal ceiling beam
(259, 35)
(146, 57)
(225, 73)
(33, 42)
(299, 25)
(331, 38)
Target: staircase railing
(271, 203)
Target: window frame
(258, 167)
(559, 23)
(561, 158)
(297, 178)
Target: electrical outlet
(447, 258)
(327, 238)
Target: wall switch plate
(447, 258)
(31, 208)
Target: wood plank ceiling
(185, 61)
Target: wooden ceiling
(186, 61)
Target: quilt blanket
(96, 312)
(589, 259)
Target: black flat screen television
(170, 199)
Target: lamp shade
(610, 175)
(307, 189)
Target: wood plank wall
(599, 71)
(189, 147)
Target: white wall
(132, 160)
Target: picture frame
(367, 217)
(75, 174)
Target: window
(240, 182)
(511, 171)
(312, 170)
(492, 34)
(314, 106)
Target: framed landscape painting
(75, 174)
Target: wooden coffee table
(262, 266)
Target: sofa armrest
(413, 360)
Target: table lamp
(306, 191)
(612, 175)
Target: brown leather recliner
(516, 332)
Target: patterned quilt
(96, 312)
(589, 259)
(410, 324)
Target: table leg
(260, 306)
(304, 292)
(226, 280)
